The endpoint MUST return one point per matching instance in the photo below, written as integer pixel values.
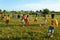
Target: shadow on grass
(18, 38)
(4, 25)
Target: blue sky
(29, 4)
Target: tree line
(44, 11)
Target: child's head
(52, 16)
(8, 15)
(27, 15)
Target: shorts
(51, 29)
(7, 21)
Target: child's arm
(56, 23)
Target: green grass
(15, 31)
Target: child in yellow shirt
(53, 24)
(8, 19)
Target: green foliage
(0, 11)
(46, 11)
(4, 11)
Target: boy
(8, 19)
(53, 24)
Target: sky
(53, 5)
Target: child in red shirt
(27, 20)
(23, 19)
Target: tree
(4, 11)
(0, 11)
(40, 11)
(37, 11)
(46, 11)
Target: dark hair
(27, 15)
(52, 16)
(23, 14)
(8, 15)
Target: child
(8, 19)
(18, 16)
(23, 19)
(14, 15)
(2, 15)
(27, 20)
(45, 20)
(53, 24)
(35, 20)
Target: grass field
(33, 31)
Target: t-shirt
(8, 18)
(23, 17)
(27, 20)
(54, 22)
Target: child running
(7, 19)
(2, 15)
(27, 20)
(23, 19)
(53, 24)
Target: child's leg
(35, 20)
(23, 22)
(52, 33)
(49, 33)
(27, 23)
(7, 22)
